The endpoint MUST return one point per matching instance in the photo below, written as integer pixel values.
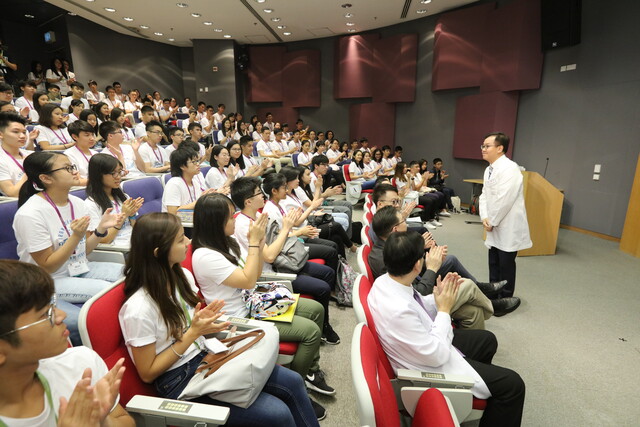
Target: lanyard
(47, 392)
(186, 315)
(30, 104)
(249, 159)
(295, 198)
(58, 211)
(116, 205)
(58, 136)
(192, 198)
(278, 206)
(114, 155)
(14, 159)
(222, 171)
(158, 156)
(84, 155)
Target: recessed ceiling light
(421, 11)
(282, 27)
(158, 34)
(425, 1)
(275, 19)
(287, 33)
(267, 10)
(208, 23)
(350, 24)
(29, 16)
(260, 1)
(227, 36)
(348, 15)
(128, 19)
(196, 15)
(351, 30)
(109, 9)
(91, 0)
(182, 5)
(72, 14)
(172, 40)
(347, 5)
(144, 27)
(217, 30)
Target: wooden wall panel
(301, 78)
(354, 66)
(265, 73)
(395, 59)
(375, 121)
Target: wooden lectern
(630, 241)
(544, 207)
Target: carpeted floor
(575, 340)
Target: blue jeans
(342, 219)
(282, 402)
(79, 289)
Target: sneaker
(444, 213)
(504, 306)
(430, 226)
(321, 413)
(436, 223)
(329, 336)
(315, 381)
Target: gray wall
(577, 118)
(106, 56)
(222, 83)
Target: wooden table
(476, 190)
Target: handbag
(239, 374)
(318, 220)
(293, 255)
(267, 300)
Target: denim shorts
(171, 383)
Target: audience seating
(150, 188)
(294, 159)
(204, 170)
(353, 187)
(364, 234)
(8, 242)
(136, 116)
(100, 330)
(467, 407)
(363, 262)
(375, 396)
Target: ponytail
(34, 165)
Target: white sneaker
(430, 226)
(444, 213)
(436, 223)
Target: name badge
(77, 268)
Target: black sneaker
(329, 336)
(504, 306)
(315, 381)
(321, 413)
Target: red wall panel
(280, 115)
(458, 47)
(395, 59)
(512, 57)
(376, 122)
(478, 115)
(354, 66)
(301, 79)
(265, 74)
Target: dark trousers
(452, 264)
(429, 207)
(502, 266)
(504, 407)
(314, 280)
(336, 234)
(326, 250)
(448, 194)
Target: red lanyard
(158, 156)
(295, 198)
(192, 198)
(278, 206)
(111, 152)
(59, 138)
(249, 159)
(14, 159)
(116, 205)
(30, 104)
(84, 155)
(46, 196)
(222, 171)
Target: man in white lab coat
(415, 332)
(502, 211)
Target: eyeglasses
(486, 147)
(260, 193)
(68, 168)
(154, 131)
(394, 202)
(117, 174)
(194, 162)
(50, 317)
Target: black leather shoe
(504, 306)
(491, 288)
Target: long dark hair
(85, 114)
(239, 160)
(36, 164)
(99, 115)
(115, 113)
(36, 103)
(398, 173)
(210, 218)
(55, 71)
(217, 149)
(151, 271)
(99, 166)
(305, 187)
(360, 164)
(46, 115)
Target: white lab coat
(502, 202)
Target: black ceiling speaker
(560, 21)
(242, 58)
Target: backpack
(345, 279)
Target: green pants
(305, 329)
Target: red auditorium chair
(375, 396)
(353, 188)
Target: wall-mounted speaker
(560, 20)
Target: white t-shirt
(280, 146)
(275, 212)
(255, 135)
(219, 117)
(130, 107)
(80, 159)
(215, 178)
(331, 154)
(263, 146)
(241, 234)
(42, 87)
(211, 269)
(295, 145)
(123, 238)
(129, 160)
(62, 372)
(293, 202)
(302, 195)
(54, 137)
(370, 167)
(312, 184)
(168, 150)
(305, 159)
(248, 162)
(113, 104)
(93, 97)
(204, 122)
(355, 169)
(66, 102)
(23, 102)
(156, 156)
(38, 227)
(142, 324)
(62, 84)
(127, 134)
(140, 130)
(176, 192)
(9, 170)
